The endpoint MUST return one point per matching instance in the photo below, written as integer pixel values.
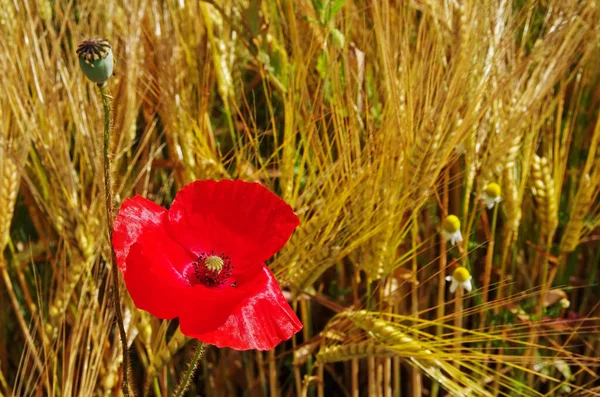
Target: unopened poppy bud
(96, 60)
(491, 195)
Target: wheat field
(375, 120)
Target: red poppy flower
(203, 261)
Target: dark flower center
(210, 270)
(93, 50)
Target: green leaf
(318, 5)
(334, 7)
(252, 18)
(327, 9)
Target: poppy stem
(185, 381)
(108, 193)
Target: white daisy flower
(460, 277)
(451, 229)
(491, 195)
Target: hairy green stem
(108, 194)
(185, 381)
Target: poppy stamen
(210, 270)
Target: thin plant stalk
(249, 369)
(354, 376)
(414, 295)
(506, 250)
(274, 390)
(260, 363)
(371, 376)
(561, 263)
(396, 390)
(306, 317)
(531, 349)
(546, 284)
(370, 360)
(321, 381)
(458, 319)
(297, 372)
(387, 377)
(546, 277)
(440, 312)
(490, 234)
(185, 381)
(156, 387)
(396, 361)
(108, 193)
(488, 262)
(379, 373)
(354, 366)
(397, 378)
(387, 362)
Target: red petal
(135, 216)
(261, 320)
(244, 220)
(154, 285)
(206, 308)
(151, 261)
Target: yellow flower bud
(461, 274)
(451, 224)
(492, 190)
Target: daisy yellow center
(492, 190)
(451, 224)
(461, 274)
(214, 263)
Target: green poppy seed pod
(96, 60)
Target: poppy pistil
(211, 270)
(214, 263)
